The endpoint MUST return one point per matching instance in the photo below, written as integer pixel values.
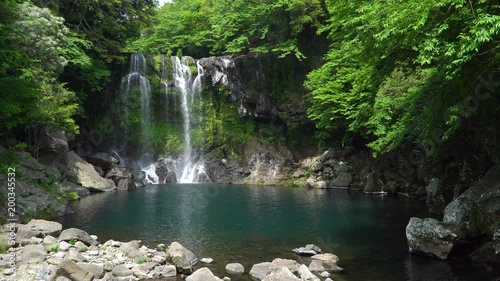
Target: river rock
(342, 180)
(182, 258)
(326, 257)
(462, 212)
(306, 275)
(259, 271)
(102, 160)
(167, 270)
(235, 268)
(72, 271)
(64, 246)
(121, 271)
(436, 199)
(278, 263)
(373, 185)
(324, 265)
(31, 254)
(203, 274)
(207, 260)
(123, 178)
(38, 228)
(131, 249)
(83, 173)
(282, 274)
(96, 270)
(432, 237)
(308, 250)
(77, 234)
(52, 143)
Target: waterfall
(190, 168)
(136, 77)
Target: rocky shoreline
(45, 251)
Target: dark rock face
(436, 199)
(165, 172)
(463, 212)
(83, 173)
(52, 144)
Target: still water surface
(251, 224)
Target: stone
(72, 271)
(182, 258)
(320, 184)
(102, 160)
(123, 178)
(342, 180)
(308, 250)
(54, 260)
(49, 240)
(278, 263)
(97, 270)
(373, 185)
(282, 274)
(235, 268)
(226, 278)
(207, 260)
(32, 254)
(121, 271)
(325, 274)
(306, 275)
(159, 259)
(259, 271)
(64, 246)
(326, 257)
(320, 266)
(77, 234)
(74, 255)
(168, 271)
(462, 212)
(83, 173)
(203, 274)
(131, 249)
(38, 228)
(51, 142)
(93, 237)
(432, 237)
(486, 255)
(161, 247)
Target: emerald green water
(250, 224)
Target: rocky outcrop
(463, 212)
(203, 274)
(122, 177)
(103, 160)
(83, 173)
(52, 144)
(432, 237)
(78, 235)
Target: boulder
(462, 212)
(52, 142)
(315, 183)
(282, 274)
(72, 271)
(168, 271)
(96, 270)
(102, 160)
(373, 185)
(308, 250)
(123, 178)
(342, 180)
(326, 257)
(207, 260)
(235, 268)
(292, 265)
(182, 258)
(83, 173)
(121, 271)
(203, 274)
(306, 275)
(131, 249)
(32, 254)
(39, 228)
(259, 271)
(77, 234)
(324, 265)
(432, 237)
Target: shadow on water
(251, 224)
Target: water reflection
(251, 224)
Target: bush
(84, 249)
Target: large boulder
(77, 234)
(259, 271)
(462, 212)
(131, 249)
(203, 274)
(123, 178)
(326, 257)
(432, 237)
(182, 258)
(324, 265)
(72, 271)
(436, 197)
(306, 275)
(102, 160)
(38, 228)
(278, 263)
(32, 254)
(83, 173)
(52, 143)
(282, 274)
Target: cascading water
(187, 169)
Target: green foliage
(83, 249)
(200, 27)
(54, 248)
(401, 71)
(71, 196)
(72, 241)
(141, 260)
